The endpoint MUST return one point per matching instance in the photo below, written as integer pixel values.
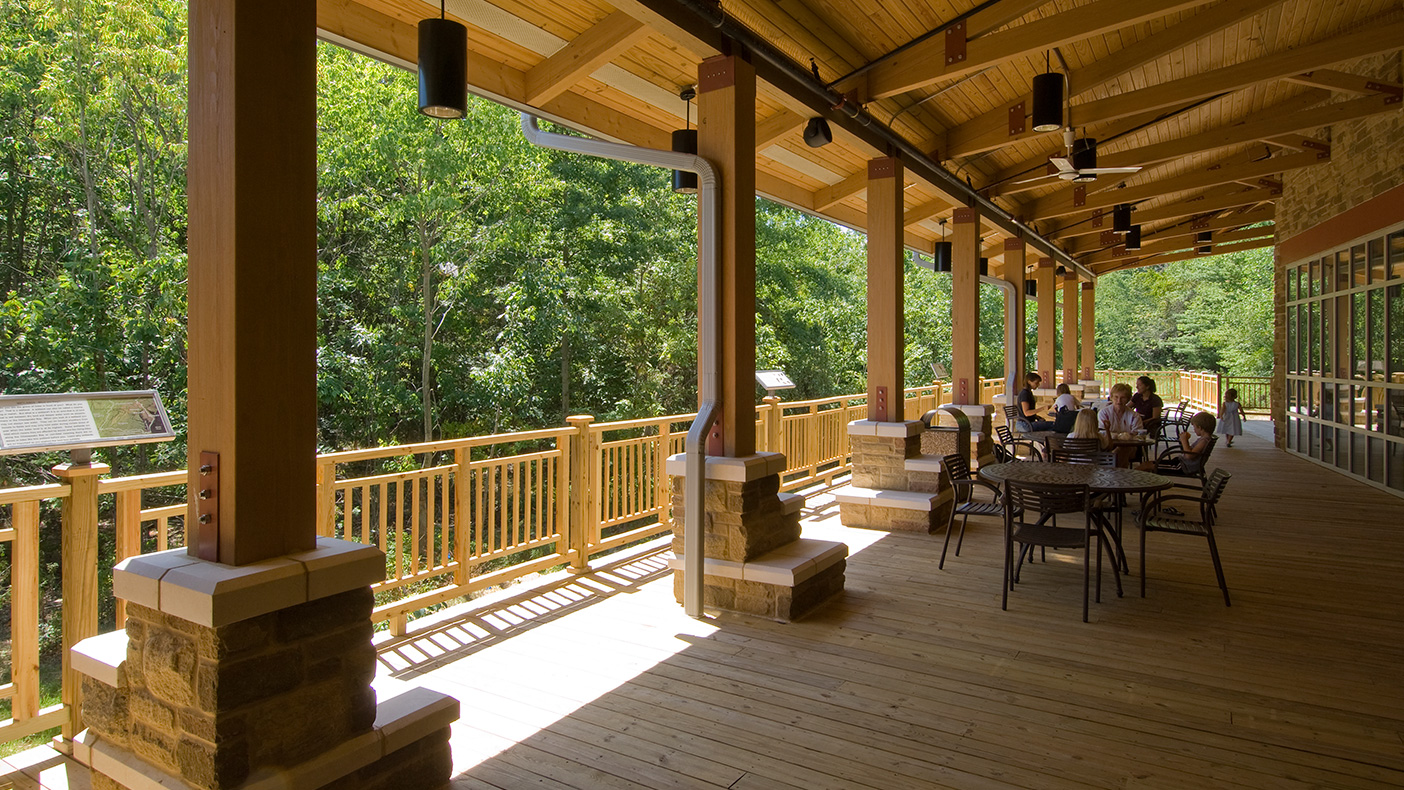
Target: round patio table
(1126, 447)
(1098, 479)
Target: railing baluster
(24, 609)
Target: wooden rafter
(1373, 39)
(926, 63)
(582, 56)
(1169, 245)
(1213, 200)
(1084, 245)
(1155, 260)
(1349, 83)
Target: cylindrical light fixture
(1133, 238)
(1031, 289)
(942, 254)
(1121, 218)
(685, 142)
(1047, 102)
(1205, 239)
(984, 267)
(443, 67)
(1084, 157)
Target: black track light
(1133, 238)
(443, 67)
(1031, 289)
(1121, 218)
(1206, 240)
(817, 133)
(984, 267)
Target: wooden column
(252, 182)
(965, 306)
(886, 344)
(1089, 330)
(1014, 254)
(726, 132)
(1047, 320)
(1070, 293)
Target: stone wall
(744, 520)
(1367, 158)
(211, 705)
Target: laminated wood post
(1047, 320)
(1014, 257)
(1089, 330)
(965, 307)
(24, 611)
(128, 536)
(462, 511)
(1070, 349)
(661, 496)
(326, 498)
(886, 346)
(78, 559)
(772, 424)
(579, 483)
(726, 136)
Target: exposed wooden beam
(1084, 245)
(1067, 201)
(1175, 244)
(837, 193)
(1215, 200)
(998, 15)
(1117, 64)
(582, 56)
(927, 62)
(1155, 260)
(924, 212)
(1373, 39)
(777, 127)
(1346, 82)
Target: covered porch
(915, 678)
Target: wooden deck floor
(916, 679)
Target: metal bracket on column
(880, 408)
(207, 508)
(715, 437)
(1097, 218)
(955, 43)
(964, 391)
(1109, 237)
(1079, 195)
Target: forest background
(468, 282)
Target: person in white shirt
(1118, 416)
(1065, 400)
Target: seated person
(1028, 406)
(1085, 427)
(1066, 400)
(1147, 403)
(1118, 416)
(1191, 461)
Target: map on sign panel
(75, 420)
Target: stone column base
(893, 511)
(783, 585)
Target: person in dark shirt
(1148, 404)
(1028, 406)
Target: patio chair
(1008, 448)
(1169, 462)
(1069, 444)
(1012, 415)
(1155, 518)
(1174, 421)
(1095, 456)
(966, 505)
(1041, 500)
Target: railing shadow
(454, 634)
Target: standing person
(1230, 416)
(1118, 416)
(1028, 406)
(1147, 403)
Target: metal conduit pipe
(724, 34)
(1011, 364)
(709, 339)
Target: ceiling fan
(1079, 163)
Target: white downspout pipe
(709, 323)
(1011, 364)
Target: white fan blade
(1035, 178)
(1136, 169)
(1063, 165)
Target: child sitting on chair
(1191, 461)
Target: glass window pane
(1355, 275)
(1377, 461)
(1328, 334)
(1344, 454)
(1360, 336)
(1395, 338)
(1314, 338)
(1313, 442)
(1291, 285)
(1345, 404)
(1377, 335)
(1302, 275)
(1292, 339)
(1377, 261)
(1396, 254)
(1314, 278)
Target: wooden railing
(1254, 392)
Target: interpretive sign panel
(774, 380)
(75, 420)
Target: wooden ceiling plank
(777, 127)
(582, 56)
(1371, 40)
(1084, 245)
(925, 211)
(925, 63)
(1108, 268)
(1215, 200)
(1343, 81)
(837, 193)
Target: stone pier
(756, 562)
(894, 486)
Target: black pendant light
(984, 267)
(941, 255)
(1205, 239)
(1121, 218)
(685, 142)
(1031, 289)
(1133, 238)
(1047, 101)
(443, 67)
(1084, 157)
(817, 133)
